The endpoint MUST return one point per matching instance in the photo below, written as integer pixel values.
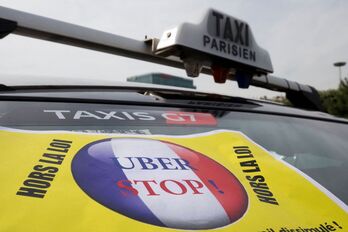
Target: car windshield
(318, 148)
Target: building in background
(163, 79)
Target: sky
(304, 39)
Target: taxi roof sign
(218, 39)
(182, 47)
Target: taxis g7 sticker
(114, 117)
(61, 181)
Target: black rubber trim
(6, 27)
(305, 100)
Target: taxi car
(116, 157)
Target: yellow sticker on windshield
(61, 181)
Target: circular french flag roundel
(160, 183)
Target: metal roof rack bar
(299, 95)
(61, 32)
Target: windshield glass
(318, 148)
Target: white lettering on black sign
(101, 115)
(170, 117)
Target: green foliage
(335, 101)
(278, 99)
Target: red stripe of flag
(221, 182)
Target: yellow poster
(221, 180)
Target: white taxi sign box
(218, 40)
